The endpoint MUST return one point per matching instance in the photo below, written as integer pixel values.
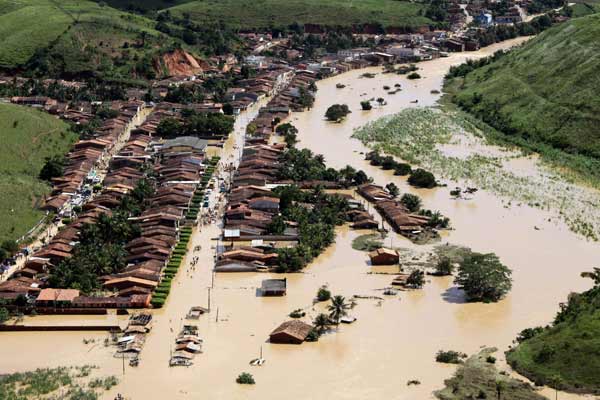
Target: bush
(411, 201)
(162, 290)
(323, 294)
(313, 336)
(157, 302)
(444, 267)
(491, 359)
(422, 179)
(413, 75)
(245, 378)
(402, 169)
(449, 357)
(416, 279)
(298, 313)
(366, 105)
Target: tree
(392, 189)
(422, 179)
(245, 378)
(169, 127)
(500, 388)
(53, 167)
(289, 132)
(4, 315)
(321, 323)
(402, 169)
(366, 105)
(337, 112)
(276, 226)
(227, 109)
(10, 246)
(411, 201)
(556, 382)
(483, 277)
(338, 308)
(416, 279)
(381, 101)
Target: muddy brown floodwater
(392, 342)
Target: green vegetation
(428, 137)
(543, 95)
(449, 357)
(368, 242)
(297, 313)
(478, 379)
(196, 124)
(337, 112)
(323, 294)
(416, 279)
(248, 14)
(338, 308)
(366, 105)
(4, 315)
(321, 323)
(411, 201)
(565, 354)
(48, 383)
(28, 137)
(483, 277)
(245, 378)
(422, 179)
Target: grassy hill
(567, 354)
(27, 136)
(142, 5)
(545, 92)
(250, 14)
(72, 37)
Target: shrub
(416, 279)
(337, 112)
(413, 75)
(402, 169)
(312, 336)
(491, 359)
(162, 290)
(157, 302)
(366, 105)
(449, 357)
(422, 179)
(245, 378)
(323, 294)
(444, 267)
(298, 313)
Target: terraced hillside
(255, 14)
(28, 136)
(545, 92)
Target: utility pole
(208, 299)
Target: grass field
(87, 31)
(27, 136)
(569, 350)
(265, 13)
(545, 92)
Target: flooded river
(392, 342)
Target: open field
(28, 136)
(544, 93)
(83, 34)
(249, 14)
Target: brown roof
(295, 329)
(57, 295)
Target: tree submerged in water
(483, 277)
(245, 378)
(337, 112)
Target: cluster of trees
(289, 133)
(471, 65)
(332, 41)
(388, 163)
(499, 33)
(196, 124)
(100, 250)
(8, 248)
(303, 165)
(211, 38)
(315, 224)
(93, 90)
(337, 112)
(338, 309)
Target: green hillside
(27, 137)
(72, 37)
(250, 14)
(545, 92)
(567, 354)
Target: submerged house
(383, 256)
(274, 287)
(291, 332)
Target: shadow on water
(454, 295)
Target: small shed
(274, 287)
(290, 332)
(383, 256)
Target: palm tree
(321, 323)
(593, 275)
(338, 308)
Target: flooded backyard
(393, 341)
